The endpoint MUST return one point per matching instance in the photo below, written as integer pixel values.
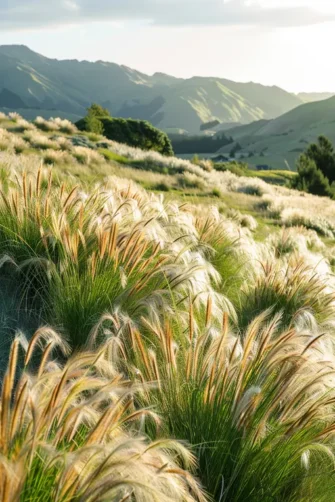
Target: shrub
(216, 192)
(136, 133)
(162, 187)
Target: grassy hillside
(166, 329)
(279, 142)
(31, 81)
(309, 97)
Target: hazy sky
(284, 42)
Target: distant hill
(281, 141)
(309, 97)
(31, 81)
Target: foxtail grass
(73, 432)
(257, 409)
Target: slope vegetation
(155, 347)
(159, 348)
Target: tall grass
(229, 249)
(74, 433)
(258, 409)
(294, 288)
(78, 256)
(191, 328)
(55, 124)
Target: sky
(288, 43)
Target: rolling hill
(279, 142)
(309, 97)
(31, 81)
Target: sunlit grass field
(167, 330)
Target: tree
(310, 179)
(236, 148)
(93, 124)
(322, 153)
(98, 111)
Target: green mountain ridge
(70, 86)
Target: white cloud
(16, 14)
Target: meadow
(167, 330)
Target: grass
(246, 404)
(63, 433)
(294, 290)
(184, 345)
(276, 177)
(108, 155)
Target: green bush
(93, 124)
(216, 192)
(162, 187)
(136, 133)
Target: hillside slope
(281, 141)
(309, 97)
(29, 80)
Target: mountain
(49, 86)
(309, 97)
(280, 141)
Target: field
(167, 330)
